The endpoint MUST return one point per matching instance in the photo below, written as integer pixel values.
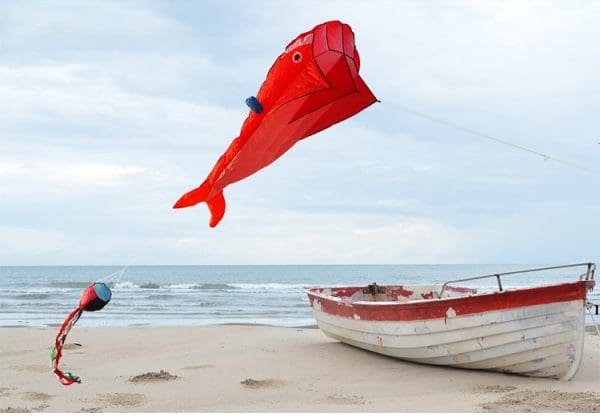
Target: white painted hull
(541, 340)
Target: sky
(109, 111)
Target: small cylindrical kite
(94, 298)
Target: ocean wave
(160, 297)
(39, 290)
(34, 296)
(70, 284)
(150, 286)
(125, 285)
(271, 286)
(200, 286)
(210, 286)
(203, 303)
(128, 285)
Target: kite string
(119, 273)
(495, 139)
(122, 272)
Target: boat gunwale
(446, 308)
(337, 299)
(587, 278)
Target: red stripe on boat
(437, 309)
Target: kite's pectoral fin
(216, 205)
(254, 104)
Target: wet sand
(259, 368)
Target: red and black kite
(94, 298)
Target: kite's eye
(297, 57)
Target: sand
(258, 368)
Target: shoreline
(229, 368)
(589, 329)
(307, 326)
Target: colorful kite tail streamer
(65, 378)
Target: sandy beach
(260, 368)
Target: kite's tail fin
(193, 197)
(216, 205)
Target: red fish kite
(312, 85)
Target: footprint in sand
(120, 399)
(40, 397)
(15, 410)
(345, 399)
(546, 402)
(90, 410)
(262, 383)
(6, 353)
(193, 367)
(36, 396)
(77, 348)
(153, 377)
(38, 369)
(494, 389)
(4, 391)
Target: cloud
(91, 175)
(61, 173)
(11, 169)
(300, 237)
(25, 245)
(55, 23)
(505, 56)
(69, 99)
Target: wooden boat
(535, 331)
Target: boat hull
(535, 332)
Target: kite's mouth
(335, 38)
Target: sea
(41, 296)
